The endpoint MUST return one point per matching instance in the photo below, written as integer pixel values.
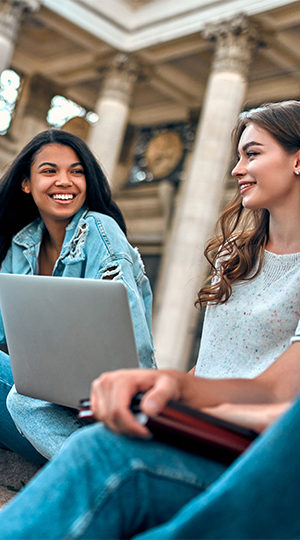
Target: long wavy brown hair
(236, 252)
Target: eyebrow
(246, 146)
(54, 164)
(250, 143)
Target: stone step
(15, 472)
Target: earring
(297, 173)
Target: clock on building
(163, 154)
(160, 152)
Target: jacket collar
(32, 234)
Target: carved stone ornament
(120, 78)
(11, 12)
(23, 5)
(235, 40)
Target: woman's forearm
(280, 382)
(250, 415)
(211, 392)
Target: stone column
(31, 114)
(106, 136)
(11, 12)
(184, 267)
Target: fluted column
(184, 267)
(106, 136)
(11, 12)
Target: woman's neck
(284, 226)
(50, 249)
(284, 237)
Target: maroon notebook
(191, 430)
(200, 433)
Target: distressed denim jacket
(94, 247)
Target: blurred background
(154, 87)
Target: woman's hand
(252, 416)
(112, 392)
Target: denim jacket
(94, 247)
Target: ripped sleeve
(112, 272)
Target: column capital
(23, 5)
(235, 40)
(124, 63)
(11, 12)
(120, 77)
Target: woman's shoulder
(102, 222)
(30, 234)
(104, 229)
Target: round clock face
(164, 153)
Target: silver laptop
(64, 332)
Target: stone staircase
(15, 472)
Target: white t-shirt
(242, 337)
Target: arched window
(9, 88)
(63, 109)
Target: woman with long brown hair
(253, 296)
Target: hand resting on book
(189, 429)
(112, 392)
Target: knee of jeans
(81, 445)
(85, 436)
(97, 443)
(89, 442)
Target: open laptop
(64, 332)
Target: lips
(244, 186)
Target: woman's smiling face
(265, 171)
(57, 183)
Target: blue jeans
(102, 485)
(45, 425)
(9, 435)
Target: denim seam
(103, 235)
(115, 255)
(115, 481)
(5, 383)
